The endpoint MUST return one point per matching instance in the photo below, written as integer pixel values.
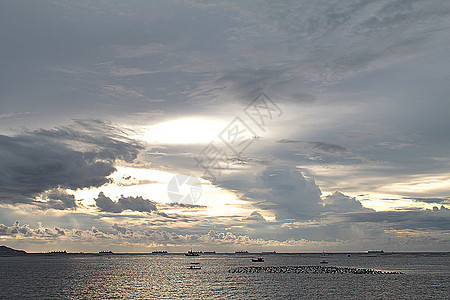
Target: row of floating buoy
(308, 270)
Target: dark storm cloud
(77, 156)
(124, 203)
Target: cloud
(45, 233)
(430, 199)
(120, 91)
(14, 114)
(246, 84)
(136, 239)
(308, 46)
(284, 190)
(58, 199)
(180, 205)
(80, 155)
(326, 147)
(26, 231)
(122, 51)
(124, 203)
(320, 146)
(249, 160)
(256, 216)
(436, 219)
(338, 202)
(119, 228)
(365, 35)
(128, 72)
(287, 141)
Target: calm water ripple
(167, 277)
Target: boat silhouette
(192, 253)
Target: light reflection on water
(167, 277)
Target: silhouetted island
(6, 251)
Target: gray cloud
(430, 199)
(319, 146)
(77, 156)
(58, 199)
(350, 26)
(338, 202)
(119, 228)
(29, 166)
(26, 231)
(124, 203)
(437, 219)
(350, 236)
(326, 147)
(180, 205)
(308, 46)
(74, 157)
(284, 190)
(287, 141)
(255, 216)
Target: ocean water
(425, 276)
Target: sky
(289, 126)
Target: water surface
(425, 276)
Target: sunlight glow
(153, 184)
(184, 131)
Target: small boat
(192, 253)
(159, 252)
(259, 259)
(323, 261)
(194, 268)
(241, 252)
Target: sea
(225, 276)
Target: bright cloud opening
(184, 131)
